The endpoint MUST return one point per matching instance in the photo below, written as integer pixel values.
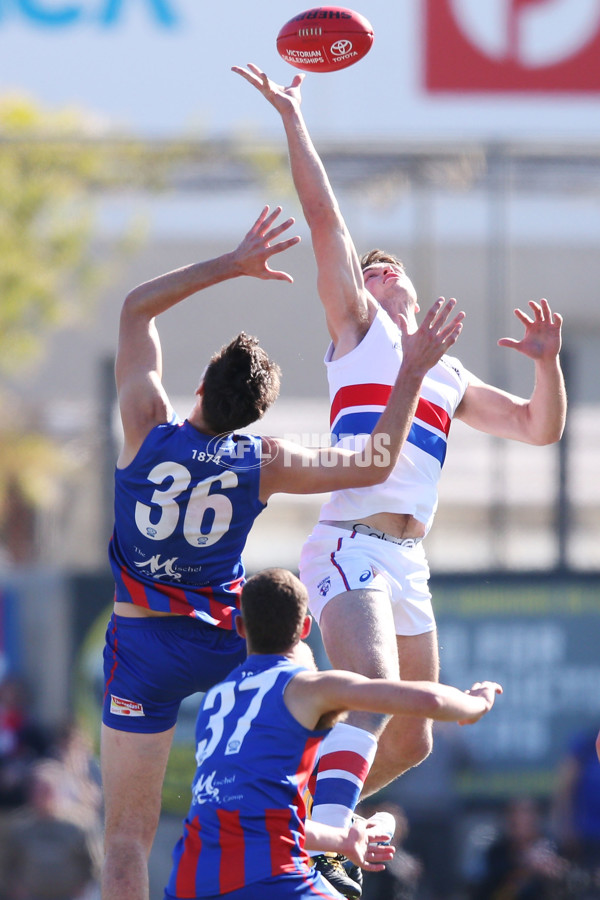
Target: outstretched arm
(540, 419)
(297, 470)
(348, 306)
(143, 402)
(311, 695)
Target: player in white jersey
(356, 602)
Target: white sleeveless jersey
(360, 384)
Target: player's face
(389, 283)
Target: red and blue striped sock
(347, 754)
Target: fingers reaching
(542, 338)
(256, 249)
(279, 96)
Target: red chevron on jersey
(433, 415)
(359, 395)
(354, 395)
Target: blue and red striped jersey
(254, 759)
(183, 510)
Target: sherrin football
(325, 39)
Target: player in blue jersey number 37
(257, 738)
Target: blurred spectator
(433, 807)
(522, 864)
(576, 811)
(73, 748)
(46, 855)
(22, 741)
(401, 876)
(81, 785)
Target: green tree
(52, 168)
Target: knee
(419, 748)
(129, 836)
(407, 750)
(120, 848)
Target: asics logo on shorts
(366, 575)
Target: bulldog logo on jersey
(324, 586)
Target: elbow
(135, 306)
(375, 463)
(541, 431)
(382, 458)
(132, 297)
(434, 706)
(385, 462)
(130, 303)
(376, 475)
(558, 431)
(553, 439)
(549, 436)
(382, 475)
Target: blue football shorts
(153, 663)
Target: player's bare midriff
(132, 611)
(400, 525)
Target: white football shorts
(334, 560)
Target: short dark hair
(240, 384)
(372, 257)
(274, 605)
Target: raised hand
(366, 847)
(487, 690)
(255, 250)
(279, 96)
(542, 337)
(423, 348)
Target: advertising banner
(162, 68)
(538, 636)
(515, 46)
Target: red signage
(541, 46)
